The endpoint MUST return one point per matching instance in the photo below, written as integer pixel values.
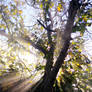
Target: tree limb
(46, 28)
(36, 46)
(24, 40)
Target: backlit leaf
(59, 9)
(20, 12)
(41, 5)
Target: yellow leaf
(51, 5)
(29, 44)
(37, 0)
(15, 12)
(70, 53)
(73, 42)
(85, 19)
(20, 12)
(81, 34)
(80, 50)
(59, 9)
(46, 0)
(58, 79)
(77, 46)
(78, 64)
(70, 72)
(14, 57)
(30, 81)
(10, 61)
(42, 28)
(87, 69)
(8, 54)
(59, 5)
(0, 16)
(41, 5)
(7, 11)
(2, 26)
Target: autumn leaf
(0, 16)
(81, 34)
(51, 5)
(2, 26)
(41, 5)
(20, 12)
(85, 19)
(59, 79)
(46, 0)
(70, 53)
(42, 28)
(29, 44)
(80, 50)
(15, 12)
(59, 7)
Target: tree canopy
(61, 65)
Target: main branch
(72, 11)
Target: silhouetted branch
(20, 39)
(37, 46)
(46, 28)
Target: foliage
(47, 35)
(75, 74)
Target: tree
(71, 19)
(75, 9)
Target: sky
(88, 42)
(31, 17)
